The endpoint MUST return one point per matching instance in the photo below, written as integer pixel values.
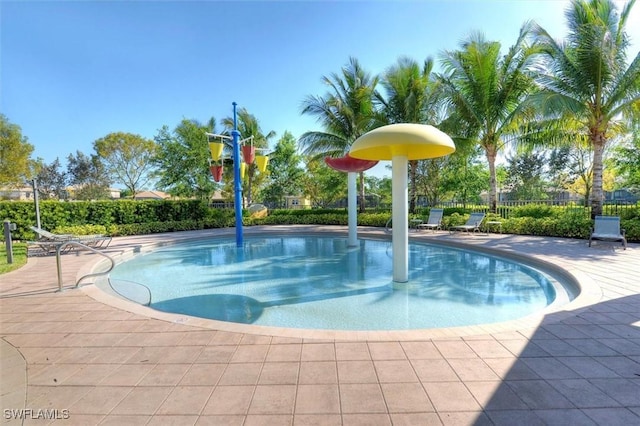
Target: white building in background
(17, 194)
(152, 195)
(297, 202)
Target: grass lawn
(19, 257)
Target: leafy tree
(485, 91)
(128, 158)
(345, 113)
(413, 95)
(461, 176)
(51, 180)
(88, 176)
(323, 185)
(526, 176)
(182, 160)
(15, 153)
(586, 77)
(285, 174)
(248, 126)
(627, 160)
(570, 168)
(380, 188)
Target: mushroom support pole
(352, 207)
(400, 218)
(237, 183)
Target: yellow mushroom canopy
(415, 141)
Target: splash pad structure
(401, 143)
(249, 156)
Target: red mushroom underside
(349, 164)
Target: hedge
(129, 217)
(108, 216)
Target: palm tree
(485, 92)
(345, 113)
(413, 96)
(248, 126)
(586, 78)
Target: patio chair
(434, 221)
(49, 242)
(472, 225)
(607, 228)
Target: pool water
(320, 283)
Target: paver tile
(317, 399)
(273, 399)
(406, 398)
(362, 398)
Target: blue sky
(73, 71)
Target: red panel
(349, 164)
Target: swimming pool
(317, 282)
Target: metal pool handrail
(78, 244)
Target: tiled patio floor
(101, 364)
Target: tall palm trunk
(248, 197)
(413, 190)
(493, 182)
(362, 199)
(597, 194)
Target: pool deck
(97, 359)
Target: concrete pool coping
(589, 292)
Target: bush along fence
(132, 217)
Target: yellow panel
(216, 150)
(414, 141)
(262, 161)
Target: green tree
(285, 173)
(587, 78)
(51, 180)
(88, 177)
(182, 160)
(462, 177)
(379, 188)
(15, 154)
(570, 168)
(413, 95)
(249, 126)
(128, 158)
(345, 113)
(627, 161)
(323, 185)
(526, 176)
(485, 91)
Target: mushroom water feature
(400, 143)
(351, 166)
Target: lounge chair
(607, 228)
(434, 221)
(49, 242)
(472, 225)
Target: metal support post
(237, 183)
(8, 227)
(36, 199)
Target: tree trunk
(249, 183)
(493, 182)
(413, 166)
(362, 201)
(597, 194)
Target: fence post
(8, 227)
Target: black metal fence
(505, 208)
